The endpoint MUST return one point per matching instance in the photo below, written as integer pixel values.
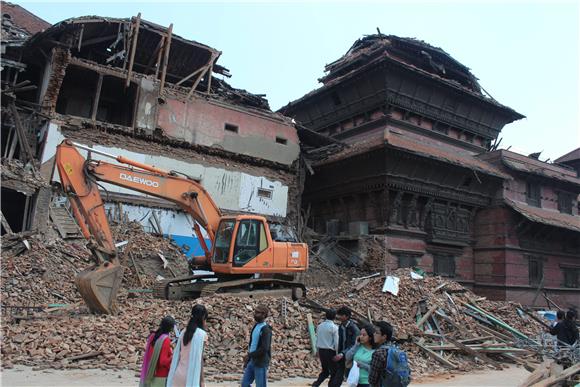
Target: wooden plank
(5, 224)
(497, 334)
(85, 356)
(134, 39)
(22, 139)
(166, 58)
(427, 315)
(136, 270)
(474, 352)
(435, 356)
(575, 369)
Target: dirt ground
(25, 376)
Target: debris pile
(78, 340)
(37, 271)
(148, 257)
(442, 326)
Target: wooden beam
(198, 79)
(159, 56)
(427, 315)
(473, 352)
(81, 37)
(435, 356)
(5, 224)
(97, 98)
(134, 39)
(23, 140)
(166, 58)
(90, 42)
(209, 79)
(556, 378)
(189, 76)
(154, 55)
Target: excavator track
(259, 286)
(182, 288)
(173, 289)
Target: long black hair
(370, 330)
(198, 316)
(166, 326)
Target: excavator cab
(244, 245)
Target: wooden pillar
(134, 39)
(97, 98)
(166, 58)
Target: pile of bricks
(430, 317)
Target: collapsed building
(133, 88)
(398, 146)
(419, 177)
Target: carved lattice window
(565, 202)
(533, 194)
(536, 270)
(571, 276)
(407, 260)
(444, 265)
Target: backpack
(398, 371)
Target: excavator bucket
(99, 285)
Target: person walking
(378, 369)
(347, 333)
(187, 364)
(326, 347)
(361, 354)
(257, 360)
(158, 354)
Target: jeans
(251, 373)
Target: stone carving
(450, 222)
(412, 213)
(425, 213)
(396, 209)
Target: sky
(524, 53)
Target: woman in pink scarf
(158, 355)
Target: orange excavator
(243, 258)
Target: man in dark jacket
(257, 360)
(347, 334)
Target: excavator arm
(99, 284)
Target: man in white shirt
(327, 347)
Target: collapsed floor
(435, 319)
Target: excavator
(243, 257)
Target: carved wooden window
(565, 202)
(571, 276)
(533, 194)
(407, 260)
(444, 265)
(536, 270)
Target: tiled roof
(570, 156)
(441, 153)
(545, 216)
(400, 141)
(24, 19)
(521, 163)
